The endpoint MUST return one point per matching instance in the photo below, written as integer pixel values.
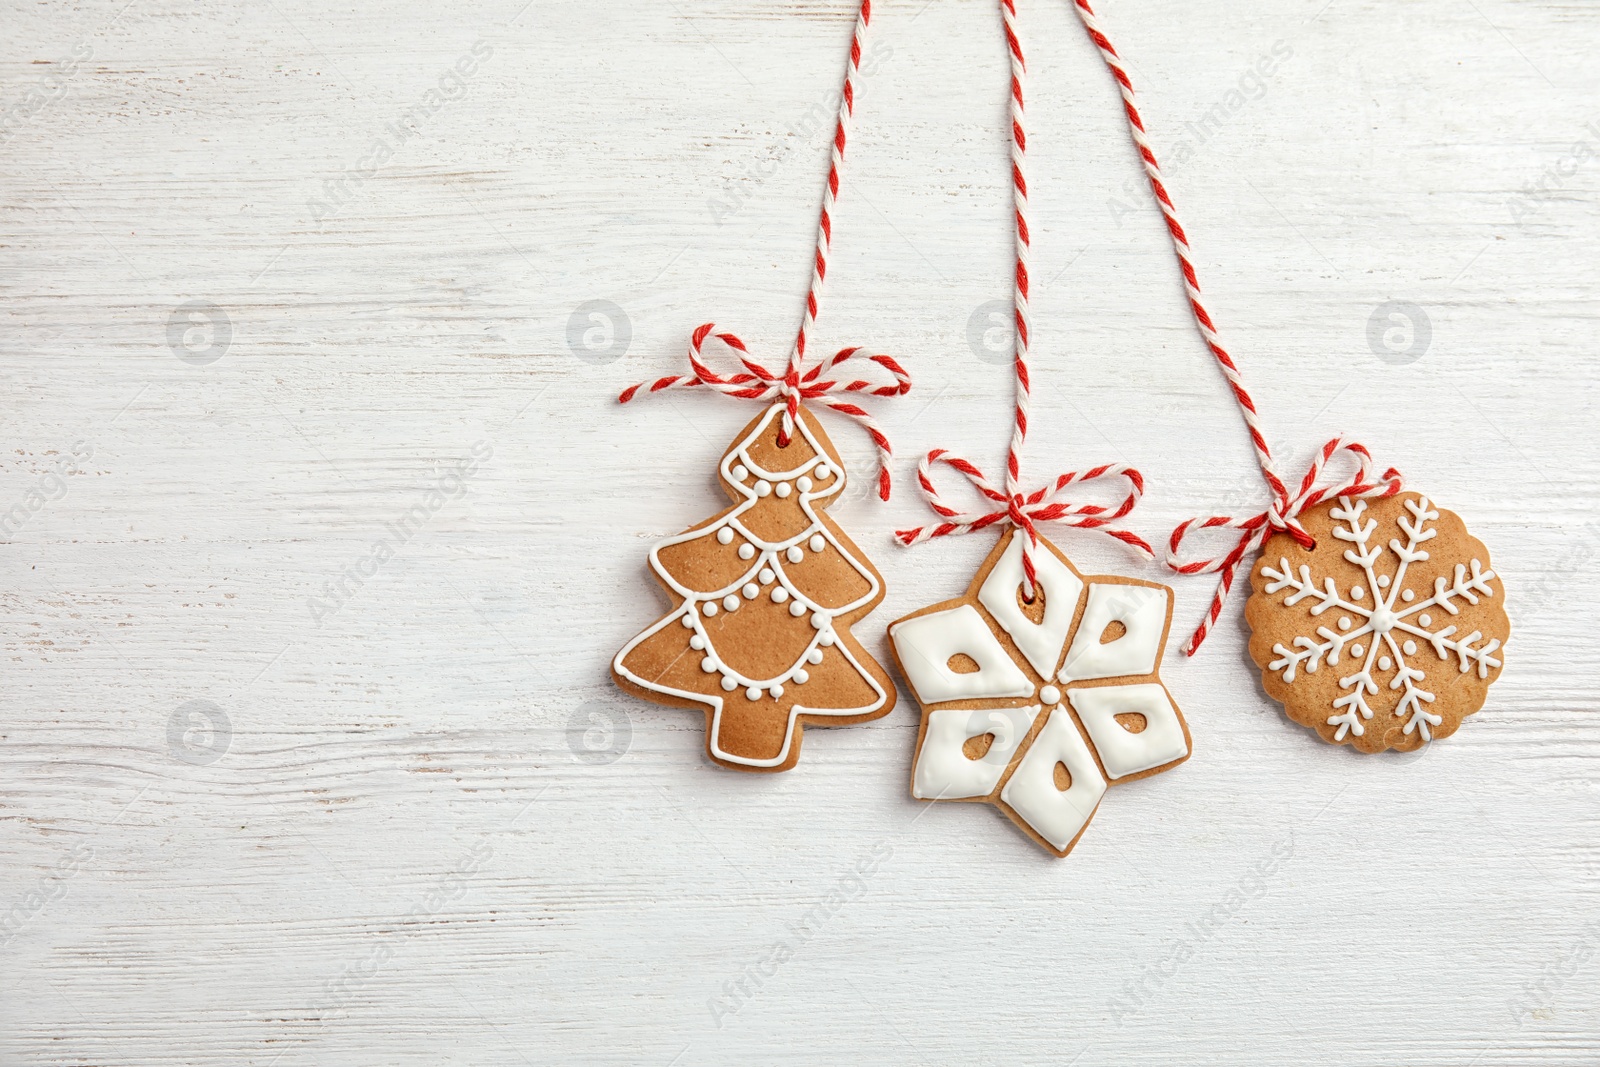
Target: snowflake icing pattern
(1393, 630)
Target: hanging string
(797, 382)
(1283, 513)
(1022, 509)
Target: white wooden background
(424, 829)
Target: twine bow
(759, 383)
(1282, 515)
(1026, 510)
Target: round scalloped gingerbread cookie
(1388, 633)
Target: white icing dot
(741, 472)
(724, 535)
(783, 489)
(709, 607)
(752, 693)
(1356, 592)
(1384, 663)
(779, 594)
(709, 665)
(797, 609)
(763, 487)
(1050, 695)
(1344, 623)
(825, 638)
(814, 656)
(1410, 647)
(688, 619)
(765, 576)
(822, 471)
(803, 484)
(1407, 595)
(730, 684)
(817, 542)
(776, 691)
(731, 602)
(1425, 619)
(751, 590)
(747, 551)
(795, 554)
(1383, 581)
(1357, 649)
(801, 677)
(697, 642)
(818, 620)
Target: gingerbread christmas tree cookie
(1389, 632)
(764, 597)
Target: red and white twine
(759, 383)
(1023, 510)
(1283, 512)
(798, 382)
(1026, 510)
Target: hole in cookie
(1062, 776)
(1132, 722)
(1114, 629)
(961, 663)
(1033, 609)
(975, 748)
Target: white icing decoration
(752, 693)
(803, 484)
(1031, 792)
(731, 602)
(1123, 753)
(800, 676)
(746, 551)
(816, 544)
(926, 643)
(709, 665)
(819, 620)
(943, 771)
(1142, 609)
(1408, 596)
(776, 691)
(1049, 695)
(763, 487)
(783, 489)
(696, 642)
(1383, 619)
(765, 576)
(1039, 642)
(736, 467)
(822, 471)
(779, 594)
(1344, 622)
(751, 590)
